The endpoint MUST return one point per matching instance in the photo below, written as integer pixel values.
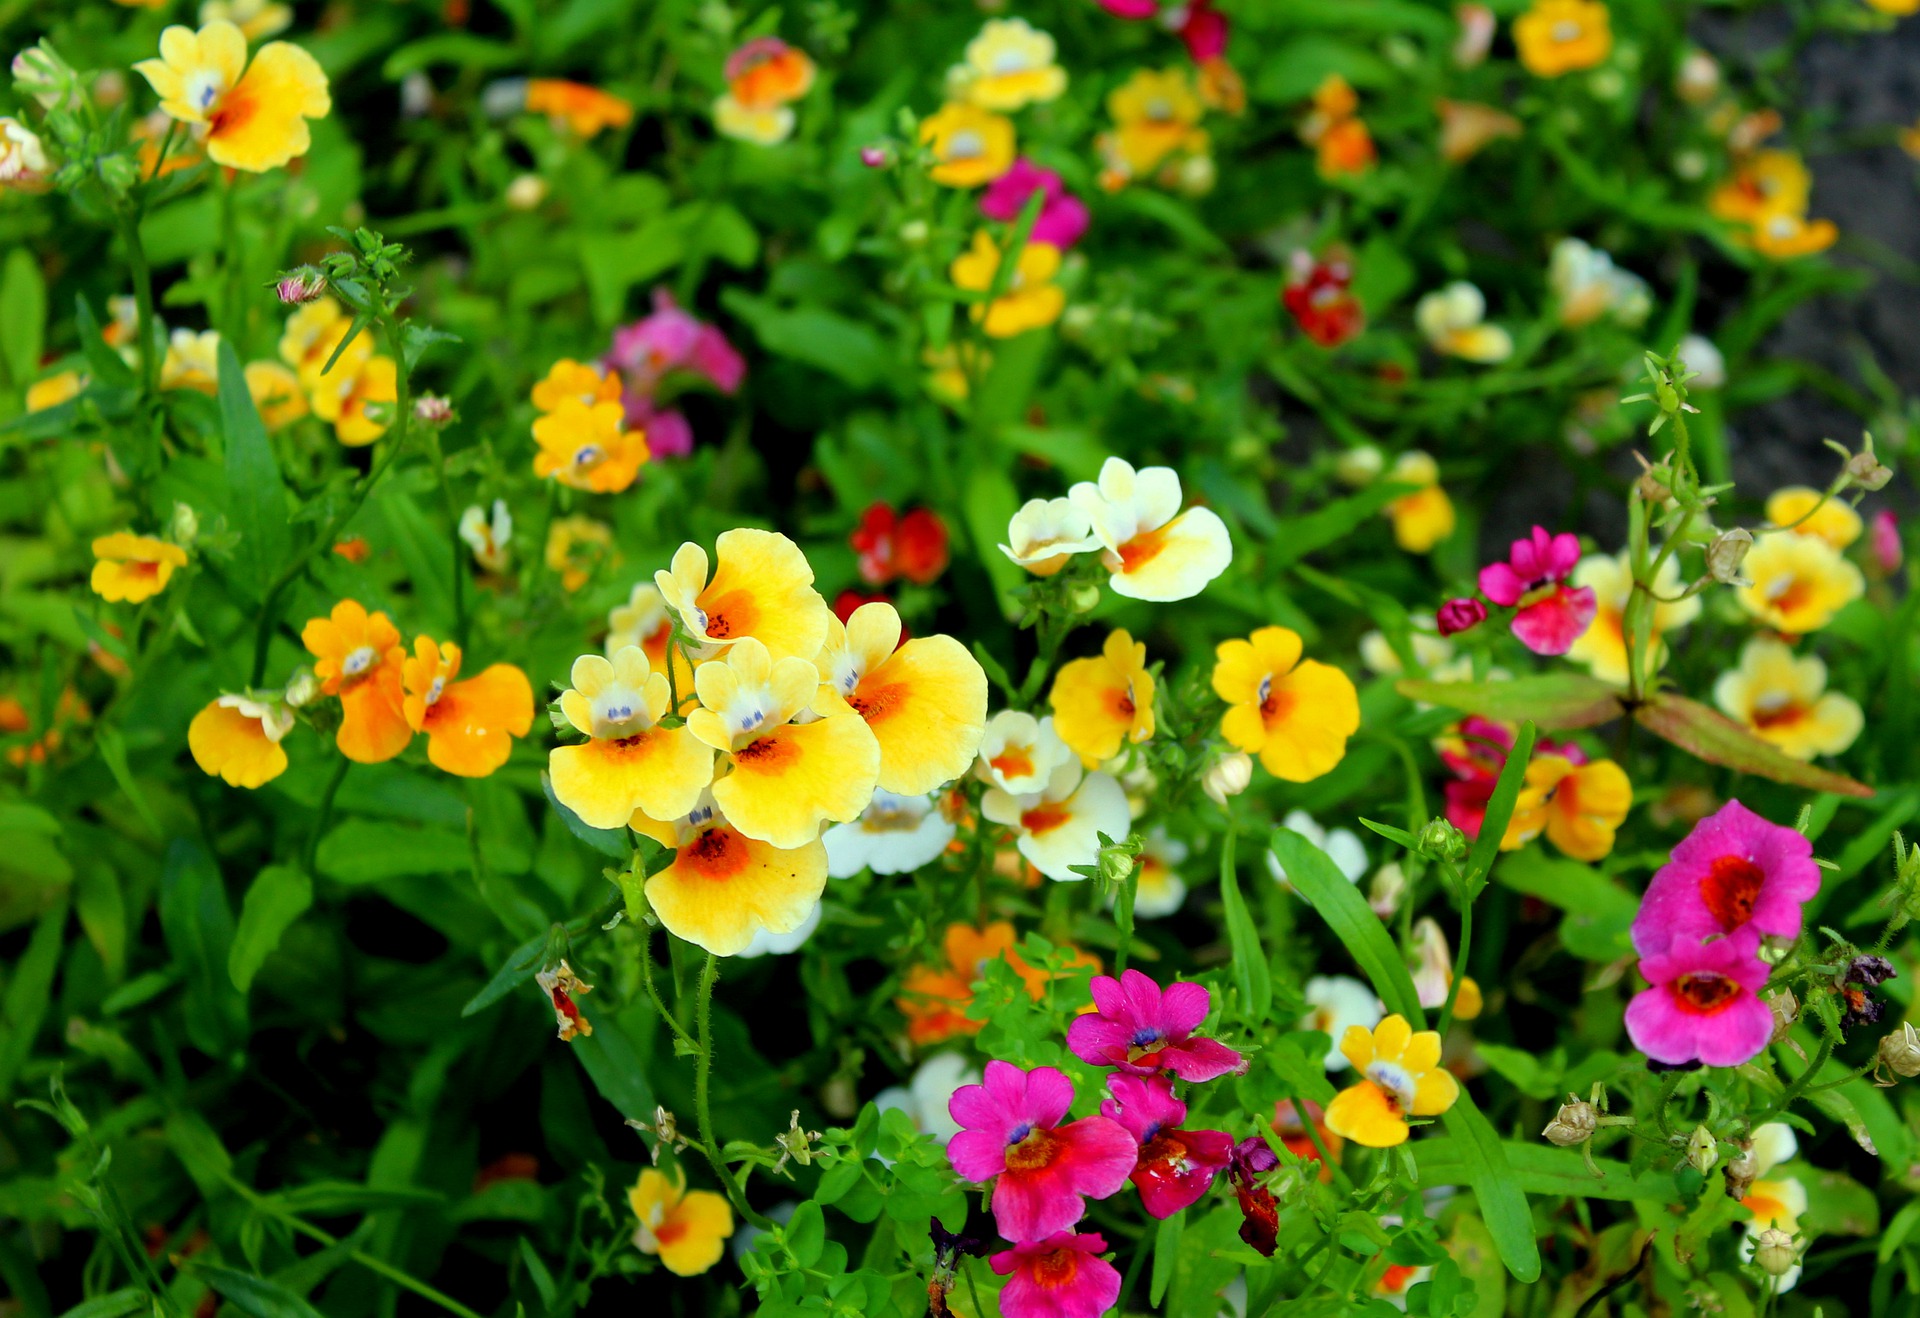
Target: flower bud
(23, 157)
(1359, 466)
(1227, 776)
(1084, 598)
(1883, 543)
(876, 156)
(1741, 1169)
(1775, 1252)
(1699, 355)
(1703, 1151)
(185, 527)
(1460, 615)
(1866, 470)
(40, 73)
(526, 192)
(1442, 840)
(1726, 553)
(1651, 488)
(302, 688)
(1900, 1051)
(432, 409)
(913, 232)
(1388, 889)
(300, 286)
(1698, 78)
(1573, 1124)
(1786, 1010)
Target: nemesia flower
(1019, 753)
(1734, 873)
(1476, 752)
(1062, 217)
(926, 1096)
(1885, 544)
(588, 447)
(256, 19)
(1158, 888)
(1042, 1168)
(1008, 66)
(645, 621)
(1031, 300)
(1341, 845)
(23, 157)
(1295, 714)
(1059, 825)
(924, 701)
(1062, 1276)
(629, 761)
(768, 944)
(130, 568)
(469, 724)
(1260, 1225)
(1101, 703)
(61, 388)
(1045, 533)
(1701, 1003)
(348, 395)
(725, 887)
(563, 989)
(237, 738)
(1291, 1123)
(1774, 1201)
(1809, 512)
(1784, 700)
(255, 115)
(1550, 616)
(1764, 183)
(1578, 806)
(684, 1228)
(1424, 518)
(893, 835)
(1155, 115)
(1433, 972)
(576, 547)
(1797, 583)
(192, 361)
(1453, 320)
(583, 382)
(276, 394)
(1342, 145)
(934, 999)
(490, 538)
(1587, 285)
(764, 77)
(1140, 1029)
(582, 110)
(1557, 37)
(1602, 647)
(1401, 1077)
(1175, 1167)
(1397, 1279)
(357, 656)
(669, 340)
(1784, 236)
(1154, 551)
(1335, 1004)
(970, 145)
(913, 545)
(311, 335)
(1699, 355)
(1467, 128)
(1317, 295)
(761, 585)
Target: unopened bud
(432, 409)
(1703, 1151)
(1388, 889)
(876, 156)
(1358, 466)
(1775, 1252)
(297, 287)
(1740, 1170)
(1698, 78)
(1227, 776)
(1651, 488)
(1883, 543)
(1459, 615)
(1442, 840)
(1573, 1124)
(1786, 1010)
(1084, 598)
(1727, 552)
(526, 192)
(1866, 470)
(185, 527)
(302, 688)
(40, 73)
(913, 232)
(1900, 1051)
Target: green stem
(702, 1076)
(1798, 1084)
(142, 275)
(653, 992)
(1466, 946)
(325, 816)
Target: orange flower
(768, 72)
(584, 110)
(567, 378)
(354, 549)
(588, 447)
(934, 999)
(359, 659)
(469, 725)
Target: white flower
(22, 158)
(490, 539)
(924, 1098)
(1159, 890)
(1019, 752)
(1700, 355)
(893, 835)
(1059, 825)
(1227, 776)
(1154, 551)
(1452, 319)
(1334, 1002)
(1587, 285)
(771, 944)
(1342, 846)
(1045, 533)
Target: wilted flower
(565, 989)
(1468, 127)
(1227, 776)
(1726, 553)
(1453, 320)
(1573, 1124)
(23, 159)
(1899, 1052)
(433, 409)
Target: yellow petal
(927, 708)
(724, 887)
(661, 771)
(1365, 1114)
(788, 783)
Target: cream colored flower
(1154, 551)
(1603, 646)
(1453, 321)
(1784, 700)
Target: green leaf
(29, 991)
(1251, 973)
(1493, 827)
(255, 1296)
(516, 970)
(1331, 524)
(844, 348)
(1166, 1253)
(1346, 912)
(280, 895)
(1503, 1204)
(114, 1304)
(198, 924)
(1544, 1169)
(614, 1066)
(23, 316)
(1558, 700)
(1599, 911)
(1711, 736)
(988, 504)
(108, 367)
(256, 496)
(102, 908)
(368, 850)
(1301, 1068)
(806, 1234)
(113, 750)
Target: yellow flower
(255, 115)
(1032, 300)
(970, 145)
(762, 125)
(311, 335)
(683, 1227)
(1578, 806)
(1295, 714)
(256, 19)
(787, 779)
(1785, 701)
(1834, 521)
(1798, 583)
(724, 887)
(55, 390)
(583, 382)
(1775, 1201)
(582, 110)
(1424, 518)
(1019, 752)
(1154, 551)
(925, 701)
(132, 568)
(1910, 136)
(1785, 236)
(237, 739)
(1765, 183)
(1101, 703)
(469, 725)
(576, 546)
(1400, 1077)
(1009, 65)
(1343, 146)
(192, 361)
(358, 658)
(1045, 533)
(589, 447)
(1898, 8)
(1059, 826)
(1603, 646)
(628, 762)
(762, 587)
(1155, 113)
(763, 76)
(1454, 322)
(348, 394)
(276, 393)
(1562, 36)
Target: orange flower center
(1058, 1269)
(876, 705)
(140, 567)
(1033, 1152)
(233, 110)
(1013, 762)
(1790, 594)
(1044, 818)
(1779, 716)
(1121, 699)
(732, 615)
(767, 755)
(718, 854)
(1703, 993)
(1143, 548)
(1729, 889)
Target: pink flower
(668, 433)
(1460, 615)
(1062, 218)
(1552, 615)
(1476, 752)
(1883, 540)
(1204, 31)
(1175, 1166)
(1702, 1005)
(1735, 871)
(1062, 1276)
(673, 340)
(1012, 1131)
(1141, 1030)
(1131, 8)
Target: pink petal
(1552, 625)
(1098, 1041)
(1143, 1001)
(1111, 1000)
(1097, 1156)
(1029, 1205)
(1049, 1095)
(1199, 1060)
(1501, 584)
(978, 1155)
(1182, 1008)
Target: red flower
(1317, 296)
(889, 545)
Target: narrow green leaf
(1493, 826)
(114, 1304)
(255, 1296)
(1709, 735)
(1557, 700)
(516, 970)
(1346, 912)
(1332, 523)
(256, 495)
(1503, 1204)
(1251, 973)
(1543, 1169)
(29, 990)
(280, 895)
(109, 367)
(113, 750)
(23, 316)
(538, 1270)
(1166, 1255)
(198, 924)
(614, 1066)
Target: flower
(131, 568)
(628, 762)
(276, 394)
(1155, 115)
(1042, 1168)
(1578, 806)
(1764, 183)
(1019, 753)
(1175, 1167)
(1551, 616)
(1008, 66)
(1784, 236)
(970, 145)
(1401, 1077)
(924, 701)
(670, 340)
(1424, 518)
(563, 988)
(763, 77)
(255, 115)
(1557, 37)
(1031, 299)
(1158, 888)
(761, 587)
(255, 18)
(1154, 551)
(63, 387)
(1459, 615)
(770, 944)
(1777, 1204)
(1099, 704)
(1342, 145)
(725, 887)
(1700, 1004)
(588, 447)
(357, 656)
(1587, 285)
(311, 335)
(23, 158)
(1140, 1029)
(1062, 1276)
(360, 382)
(490, 539)
(934, 999)
(469, 724)
(1602, 647)
(1433, 975)
(1735, 872)
(576, 546)
(1453, 321)
(925, 1097)
(192, 361)
(1477, 27)
(1884, 543)
(1809, 512)
(1062, 217)
(893, 835)
(1797, 583)
(1342, 846)
(1045, 533)
(1476, 752)
(1467, 127)
(1335, 1004)
(1060, 824)
(1318, 296)
(581, 382)
(683, 1227)
(1295, 714)
(237, 738)
(1785, 701)
(913, 546)
(582, 110)
(1699, 355)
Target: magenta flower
(1175, 1166)
(1735, 871)
(1883, 540)
(1460, 615)
(1141, 1030)
(1204, 31)
(1062, 218)
(668, 433)
(1552, 615)
(1702, 1005)
(1041, 1169)
(1062, 1276)
(1131, 8)
(673, 340)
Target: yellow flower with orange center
(276, 393)
(628, 762)
(1401, 1077)
(970, 146)
(255, 116)
(1764, 183)
(934, 999)
(763, 78)
(1342, 144)
(130, 568)
(582, 110)
(1102, 703)
(1578, 806)
(237, 739)
(1797, 582)
(686, 1229)
(1603, 646)
(1785, 236)
(1556, 37)
(723, 886)
(1058, 826)
(312, 333)
(584, 382)
(192, 361)
(1809, 512)
(470, 725)
(1454, 321)
(1155, 114)
(255, 18)
(1009, 65)
(1154, 551)
(589, 447)
(925, 701)
(1031, 300)
(1295, 714)
(357, 395)
(761, 585)
(1784, 700)
(358, 657)
(1424, 518)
